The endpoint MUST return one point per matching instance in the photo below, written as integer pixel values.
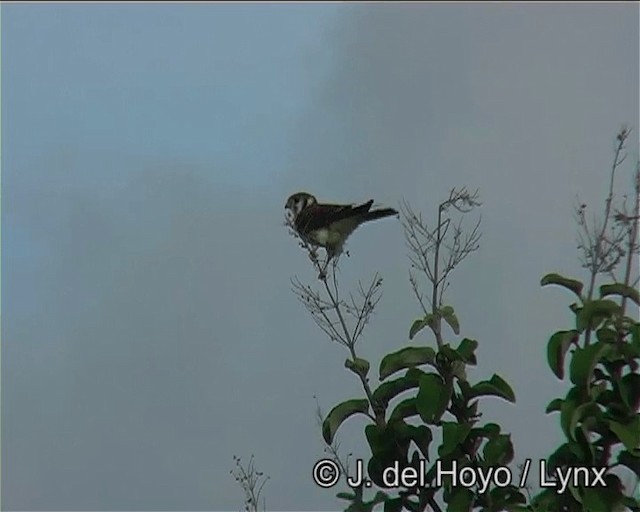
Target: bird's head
(298, 202)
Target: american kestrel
(329, 225)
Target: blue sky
(202, 82)
(214, 88)
(149, 331)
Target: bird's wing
(320, 216)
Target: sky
(149, 329)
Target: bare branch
(632, 224)
(318, 308)
(416, 290)
(334, 447)
(342, 321)
(605, 242)
(602, 253)
(436, 251)
(252, 482)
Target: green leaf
(633, 463)
(554, 405)
(499, 450)
(453, 435)
(588, 409)
(575, 493)
(446, 310)
(467, 349)
(566, 414)
(358, 366)
(508, 499)
(376, 465)
(390, 389)
(622, 290)
(405, 358)
(388, 444)
(420, 324)
(451, 318)
(629, 433)
(432, 399)
(421, 435)
(565, 282)
(490, 429)
(411, 505)
(629, 352)
(563, 456)
(630, 391)
(600, 499)
(393, 505)
(594, 312)
(597, 389)
(349, 496)
(635, 336)
(360, 507)
(339, 414)
(584, 361)
(496, 386)
(606, 335)
(380, 442)
(450, 353)
(460, 499)
(380, 497)
(630, 502)
(404, 409)
(545, 500)
(557, 349)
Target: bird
(329, 225)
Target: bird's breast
(322, 236)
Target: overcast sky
(149, 330)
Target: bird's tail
(380, 214)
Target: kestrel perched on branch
(329, 225)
